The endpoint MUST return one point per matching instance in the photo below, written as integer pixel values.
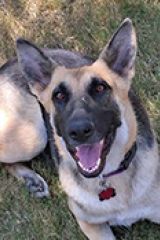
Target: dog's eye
(100, 88)
(60, 96)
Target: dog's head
(89, 104)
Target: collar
(110, 192)
(124, 164)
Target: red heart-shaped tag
(107, 194)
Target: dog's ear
(36, 67)
(120, 52)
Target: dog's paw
(36, 185)
(33, 181)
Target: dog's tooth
(102, 141)
(90, 170)
(98, 163)
(77, 148)
(80, 164)
(99, 160)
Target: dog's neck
(124, 164)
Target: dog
(23, 133)
(108, 154)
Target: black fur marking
(61, 88)
(95, 82)
(144, 127)
(97, 108)
(100, 110)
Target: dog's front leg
(96, 231)
(33, 181)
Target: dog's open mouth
(91, 158)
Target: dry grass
(82, 25)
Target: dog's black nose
(80, 130)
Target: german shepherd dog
(109, 163)
(23, 133)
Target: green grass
(85, 26)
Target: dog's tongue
(88, 155)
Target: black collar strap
(125, 162)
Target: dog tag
(107, 194)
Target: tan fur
(18, 128)
(137, 188)
(77, 80)
(133, 199)
(22, 134)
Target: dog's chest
(116, 210)
(84, 199)
(88, 207)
